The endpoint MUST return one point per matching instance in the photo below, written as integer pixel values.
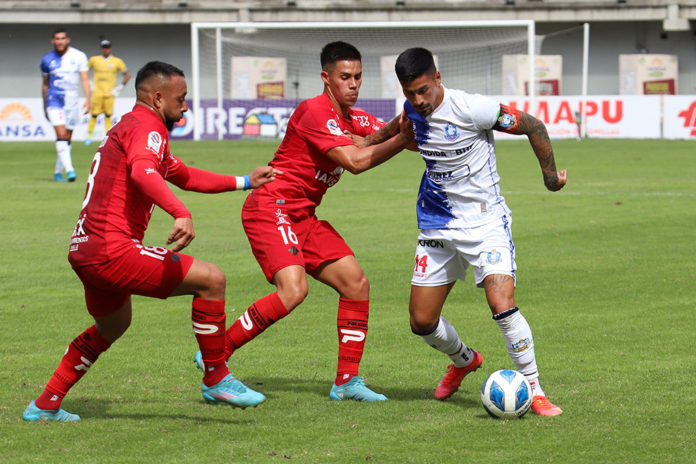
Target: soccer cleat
(33, 414)
(71, 176)
(355, 389)
(451, 381)
(543, 407)
(88, 142)
(230, 390)
(58, 177)
(198, 359)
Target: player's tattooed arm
(535, 130)
(386, 132)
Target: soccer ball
(506, 394)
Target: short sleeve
(82, 62)
(483, 110)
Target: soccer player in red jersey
(126, 180)
(286, 237)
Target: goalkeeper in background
(106, 68)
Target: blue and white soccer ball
(506, 394)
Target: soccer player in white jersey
(64, 70)
(463, 218)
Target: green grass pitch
(606, 280)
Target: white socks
(520, 345)
(64, 158)
(444, 338)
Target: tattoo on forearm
(541, 144)
(387, 131)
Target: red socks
(208, 318)
(80, 355)
(352, 331)
(255, 320)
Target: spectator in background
(106, 68)
(64, 70)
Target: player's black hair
(154, 68)
(413, 63)
(338, 51)
(59, 31)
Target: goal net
(243, 70)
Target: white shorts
(68, 116)
(444, 255)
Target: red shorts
(280, 237)
(141, 270)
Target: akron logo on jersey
(451, 131)
(332, 125)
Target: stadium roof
(674, 14)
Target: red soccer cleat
(451, 381)
(542, 406)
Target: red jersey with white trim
(115, 211)
(314, 128)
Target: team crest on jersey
(451, 131)
(507, 120)
(493, 257)
(332, 125)
(154, 142)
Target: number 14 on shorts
(420, 265)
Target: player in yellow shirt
(106, 68)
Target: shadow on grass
(275, 387)
(104, 409)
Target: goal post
(468, 54)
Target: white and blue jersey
(63, 76)
(459, 188)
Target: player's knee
(294, 294)
(217, 282)
(422, 323)
(356, 289)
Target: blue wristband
(247, 183)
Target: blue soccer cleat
(230, 390)
(71, 176)
(58, 177)
(355, 389)
(33, 414)
(88, 142)
(198, 359)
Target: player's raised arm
(514, 121)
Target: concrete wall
(24, 44)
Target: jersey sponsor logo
(431, 243)
(451, 131)
(435, 175)
(293, 250)
(333, 128)
(363, 121)
(493, 257)
(149, 171)
(154, 142)
(282, 218)
(331, 178)
(432, 153)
